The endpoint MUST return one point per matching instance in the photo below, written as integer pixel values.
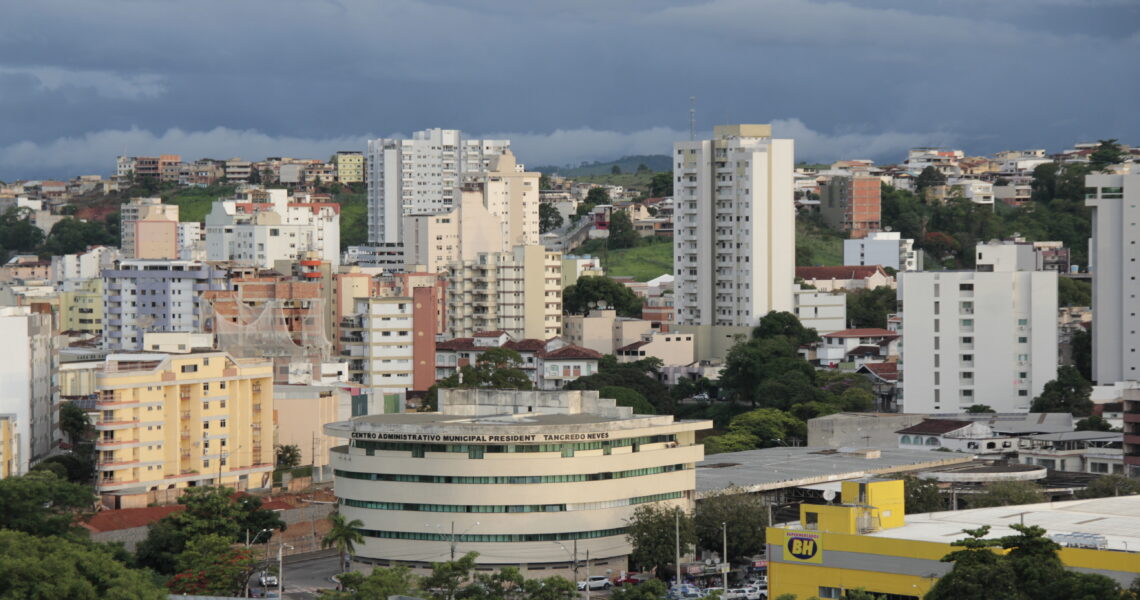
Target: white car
(596, 582)
(735, 594)
(267, 580)
(756, 593)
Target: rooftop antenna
(692, 118)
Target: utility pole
(453, 541)
(677, 524)
(576, 561)
(587, 574)
(724, 558)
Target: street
(305, 574)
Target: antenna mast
(692, 118)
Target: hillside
(627, 164)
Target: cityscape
(696, 349)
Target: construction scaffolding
(287, 331)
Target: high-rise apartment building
(1113, 256)
(26, 384)
(148, 229)
(154, 295)
(734, 224)
(851, 204)
(978, 337)
(169, 421)
(419, 176)
(519, 292)
(378, 345)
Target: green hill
(627, 164)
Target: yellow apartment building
(867, 541)
(9, 446)
(169, 421)
(81, 307)
(349, 167)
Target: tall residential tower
(734, 252)
(1113, 255)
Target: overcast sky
(83, 81)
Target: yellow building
(349, 167)
(168, 421)
(81, 307)
(867, 542)
(9, 446)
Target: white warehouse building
(978, 337)
(518, 476)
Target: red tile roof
(845, 272)
(572, 352)
(935, 426)
(456, 344)
(858, 333)
(128, 518)
(887, 371)
(864, 350)
(496, 333)
(633, 346)
(527, 345)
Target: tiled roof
(527, 345)
(864, 350)
(495, 333)
(887, 371)
(456, 344)
(633, 346)
(859, 333)
(128, 518)
(844, 272)
(572, 352)
(935, 426)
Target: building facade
(26, 384)
(852, 204)
(977, 338)
(519, 477)
(378, 345)
(885, 248)
(349, 166)
(148, 229)
(154, 295)
(519, 292)
(420, 175)
(734, 226)
(1113, 256)
(169, 421)
(259, 227)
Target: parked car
(735, 594)
(685, 592)
(633, 579)
(719, 591)
(595, 582)
(267, 580)
(753, 592)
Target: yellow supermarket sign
(802, 546)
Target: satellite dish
(829, 495)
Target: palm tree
(344, 535)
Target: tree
(210, 565)
(628, 397)
(615, 170)
(1081, 344)
(661, 185)
(770, 426)
(288, 456)
(922, 495)
(1072, 292)
(653, 589)
(978, 571)
(576, 298)
(74, 423)
(870, 307)
(209, 510)
(977, 409)
(1006, 493)
(60, 567)
(381, 584)
(929, 177)
(651, 531)
(1111, 485)
(551, 588)
(597, 195)
(549, 219)
(447, 577)
(746, 515)
(42, 504)
(1094, 423)
(77, 467)
(69, 236)
(343, 535)
(622, 233)
(496, 368)
(1106, 154)
(1069, 392)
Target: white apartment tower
(734, 223)
(1113, 255)
(420, 176)
(978, 337)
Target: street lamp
(453, 541)
(574, 556)
(724, 558)
(281, 568)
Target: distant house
(549, 364)
(858, 346)
(961, 435)
(849, 277)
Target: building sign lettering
(480, 438)
(800, 546)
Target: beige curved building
(522, 478)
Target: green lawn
(817, 245)
(195, 203)
(642, 263)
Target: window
(189, 368)
(830, 592)
(1023, 340)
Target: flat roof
(1117, 519)
(1071, 436)
(785, 467)
(505, 419)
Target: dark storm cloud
(81, 82)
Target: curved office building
(522, 478)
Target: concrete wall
(860, 430)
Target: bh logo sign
(803, 547)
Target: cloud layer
(568, 80)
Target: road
(305, 574)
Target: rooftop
(843, 272)
(935, 426)
(860, 333)
(1117, 519)
(785, 467)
